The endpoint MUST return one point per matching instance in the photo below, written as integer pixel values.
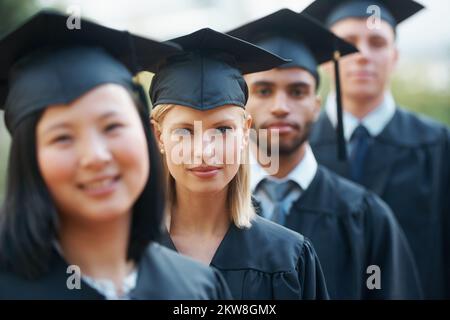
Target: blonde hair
(239, 197)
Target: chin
(106, 212)
(206, 187)
(364, 91)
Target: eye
(297, 92)
(182, 131)
(61, 139)
(378, 42)
(264, 92)
(113, 126)
(224, 129)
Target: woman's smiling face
(93, 155)
(203, 149)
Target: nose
(204, 147)
(94, 151)
(280, 107)
(364, 52)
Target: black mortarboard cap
(305, 41)
(392, 11)
(208, 74)
(295, 36)
(43, 62)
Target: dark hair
(29, 220)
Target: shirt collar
(302, 174)
(374, 122)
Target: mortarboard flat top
(44, 62)
(294, 36)
(392, 11)
(208, 74)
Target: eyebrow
(56, 126)
(263, 83)
(299, 84)
(377, 36)
(190, 125)
(63, 125)
(223, 122)
(182, 124)
(293, 84)
(107, 115)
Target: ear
(247, 125)
(317, 106)
(157, 131)
(396, 54)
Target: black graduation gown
(408, 166)
(162, 275)
(352, 229)
(267, 261)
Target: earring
(162, 150)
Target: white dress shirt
(374, 122)
(302, 175)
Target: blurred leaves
(4, 145)
(13, 12)
(412, 95)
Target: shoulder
(265, 230)
(54, 285)
(412, 129)
(322, 131)
(167, 271)
(279, 248)
(169, 261)
(276, 262)
(345, 199)
(335, 194)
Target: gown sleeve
(390, 251)
(310, 274)
(222, 291)
(446, 214)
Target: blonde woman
(202, 127)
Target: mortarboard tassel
(341, 147)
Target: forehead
(108, 98)
(362, 27)
(183, 114)
(280, 76)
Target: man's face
(366, 74)
(283, 100)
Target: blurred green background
(421, 83)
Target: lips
(362, 74)
(281, 127)
(205, 171)
(100, 186)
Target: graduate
(202, 128)
(352, 229)
(84, 204)
(401, 156)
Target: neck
(287, 162)
(361, 106)
(100, 250)
(200, 213)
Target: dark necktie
(360, 142)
